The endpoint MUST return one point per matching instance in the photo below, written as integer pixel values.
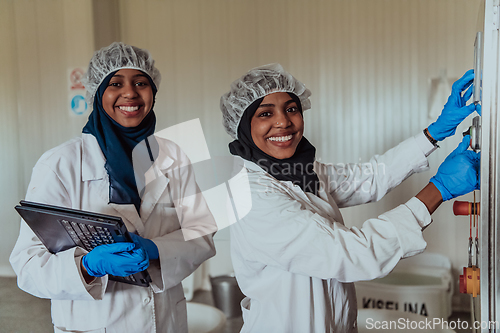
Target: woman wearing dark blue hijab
(108, 170)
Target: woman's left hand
(459, 174)
(147, 244)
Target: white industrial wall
(40, 41)
(369, 63)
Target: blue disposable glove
(119, 259)
(459, 174)
(455, 110)
(147, 244)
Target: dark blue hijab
(117, 143)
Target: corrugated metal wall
(41, 41)
(369, 64)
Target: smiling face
(128, 97)
(277, 126)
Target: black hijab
(117, 143)
(298, 169)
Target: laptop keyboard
(87, 236)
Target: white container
(420, 285)
(204, 318)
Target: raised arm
(354, 184)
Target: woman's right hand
(119, 259)
(456, 109)
(459, 174)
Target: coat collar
(323, 204)
(93, 159)
(156, 180)
(93, 162)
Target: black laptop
(61, 228)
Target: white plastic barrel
(419, 285)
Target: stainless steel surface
(478, 66)
(227, 295)
(233, 325)
(475, 134)
(489, 171)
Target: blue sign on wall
(78, 105)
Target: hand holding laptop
(119, 259)
(148, 244)
(105, 237)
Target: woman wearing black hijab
(293, 257)
(109, 170)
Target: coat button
(147, 300)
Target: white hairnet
(257, 83)
(114, 57)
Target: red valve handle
(465, 208)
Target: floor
(23, 313)
(461, 316)
(20, 312)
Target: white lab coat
(295, 260)
(73, 175)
